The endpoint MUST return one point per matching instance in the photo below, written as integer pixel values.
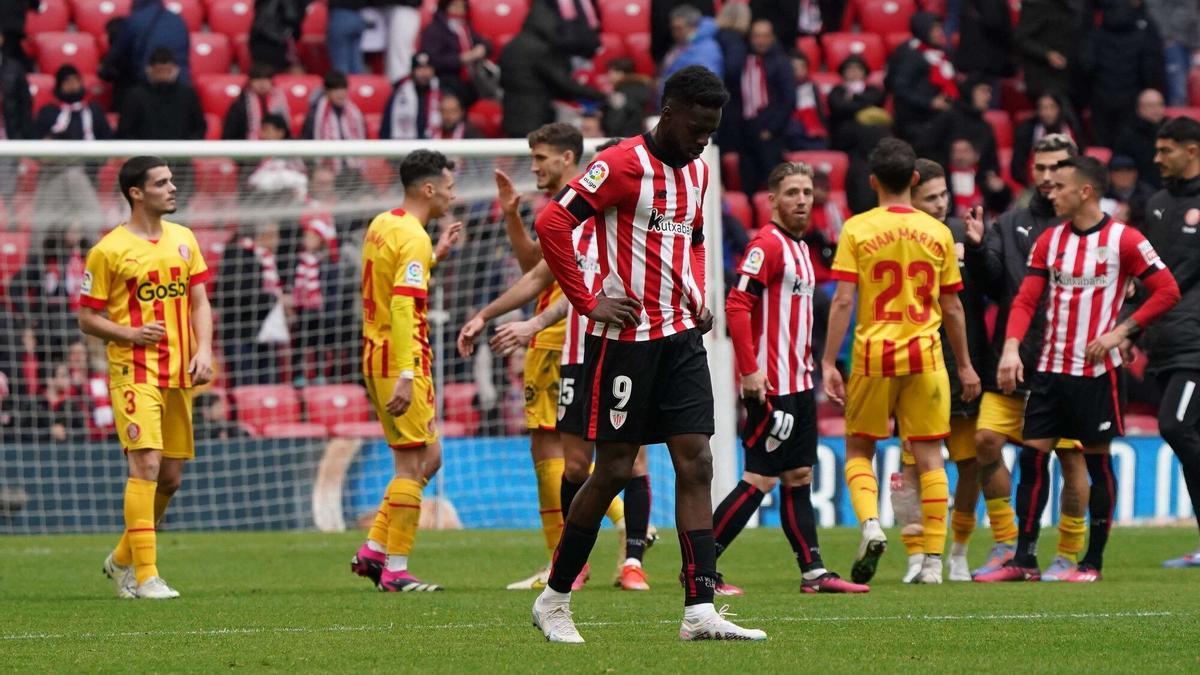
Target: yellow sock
(1004, 520)
(139, 527)
(404, 512)
(864, 489)
(935, 494)
(123, 553)
(616, 510)
(913, 543)
(549, 479)
(962, 525)
(1071, 531)
(379, 528)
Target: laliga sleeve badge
(754, 261)
(595, 176)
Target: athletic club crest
(617, 418)
(562, 412)
(133, 431)
(185, 252)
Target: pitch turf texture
(287, 601)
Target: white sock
(634, 562)
(550, 596)
(696, 612)
(815, 573)
(958, 550)
(397, 563)
(375, 546)
(916, 559)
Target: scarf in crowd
(276, 103)
(465, 43)
(270, 272)
(345, 125)
(566, 8)
(457, 131)
(68, 110)
(965, 187)
(405, 108)
(941, 71)
(306, 290)
(806, 112)
(856, 87)
(755, 95)
(809, 21)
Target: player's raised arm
(533, 282)
(527, 251)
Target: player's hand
(448, 240)
(1056, 59)
(1127, 354)
(975, 226)
(513, 335)
(994, 182)
(970, 383)
(706, 321)
(506, 193)
(1100, 347)
(1011, 371)
(755, 386)
(1130, 290)
(624, 312)
(150, 334)
(401, 398)
(466, 336)
(835, 386)
(201, 368)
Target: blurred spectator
(454, 119)
(259, 98)
(972, 183)
(1137, 137)
(1127, 193)
(808, 128)
(46, 290)
(248, 289)
(454, 48)
(16, 104)
(62, 410)
(163, 108)
(275, 30)
(591, 125)
(1178, 23)
(733, 25)
(964, 119)
(71, 118)
(920, 77)
(343, 35)
(1046, 38)
(859, 194)
(313, 290)
(768, 93)
(65, 189)
(414, 110)
(12, 29)
(624, 112)
(734, 238)
(403, 26)
(662, 34)
(91, 385)
(274, 175)
(533, 73)
(212, 419)
(149, 26)
(824, 225)
(793, 18)
(334, 117)
(850, 96)
(1124, 57)
(986, 34)
(579, 31)
(695, 43)
(1052, 115)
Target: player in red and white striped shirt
(646, 375)
(1086, 263)
(770, 316)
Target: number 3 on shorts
(622, 389)
(130, 403)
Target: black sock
(800, 526)
(1100, 507)
(734, 512)
(637, 516)
(566, 494)
(1033, 491)
(699, 566)
(572, 553)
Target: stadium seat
(1002, 127)
(1004, 155)
(333, 403)
(731, 176)
(637, 45)
(380, 173)
(882, 17)
(260, 405)
(357, 430)
(51, 16)
(831, 426)
(299, 91)
(14, 247)
(294, 430)
(91, 17)
(57, 49)
(491, 18)
(314, 55)
(1141, 425)
(241, 52)
(41, 90)
(370, 92)
(837, 46)
(1183, 111)
(486, 116)
(217, 92)
(428, 8)
(215, 175)
(107, 187)
(739, 207)
(210, 54)
(625, 17)
(762, 210)
(374, 122)
(811, 49)
(316, 19)
(191, 11)
(212, 241)
(1012, 96)
(98, 91)
(231, 17)
(892, 41)
(1100, 153)
(458, 400)
(611, 47)
(214, 126)
(832, 162)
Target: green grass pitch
(287, 601)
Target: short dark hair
(336, 79)
(798, 55)
(892, 162)
(1180, 129)
(1056, 142)
(560, 136)
(1090, 170)
(279, 122)
(622, 65)
(927, 170)
(160, 56)
(261, 71)
(134, 172)
(695, 86)
(786, 170)
(422, 164)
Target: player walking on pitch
(143, 293)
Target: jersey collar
(1104, 220)
(656, 150)
(784, 231)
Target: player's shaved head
(893, 163)
(134, 173)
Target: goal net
(285, 436)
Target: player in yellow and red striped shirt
(143, 293)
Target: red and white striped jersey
(649, 225)
(587, 259)
(775, 288)
(1087, 274)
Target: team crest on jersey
(185, 252)
(617, 418)
(596, 174)
(133, 431)
(414, 274)
(1101, 252)
(1148, 252)
(85, 285)
(754, 261)
(562, 412)
(773, 444)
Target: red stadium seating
(885, 16)
(892, 41)
(191, 11)
(611, 47)
(215, 175)
(231, 17)
(739, 207)
(762, 210)
(334, 403)
(316, 19)
(98, 91)
(459, 405)
(492, 18)
(379, 172)
(314, 55)
(831, 162)
(41, 88)
(357, 430)
(57, 49)
(51, 16)
(210, 54)
(831, 426)
(299, 91)
(637, 45)
(731, 175)
(428, 8)
(374, 122)
(1184, 111)
(370, 92)
(1141, 425)
(294, 430)
(1002, 127)
(625, 17)
(91, 17)
(486, 116)
(1100, 153)
(837, 46)
(811, 49)
(217, 92)
(214, 126)
(14, 246)
(107, 187)
(260, 405)
(1004, 155)
(212, 241)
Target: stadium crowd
(972, 84)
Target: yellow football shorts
(961, 442)
(541, 388)
(920, 403)
(1005, 415)
(416, 427)
(149, 417)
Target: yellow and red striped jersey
(550, 337)
(397, 258)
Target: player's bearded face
(1044, 165)
(548, 166)
(793, 203)
(1171, 158)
